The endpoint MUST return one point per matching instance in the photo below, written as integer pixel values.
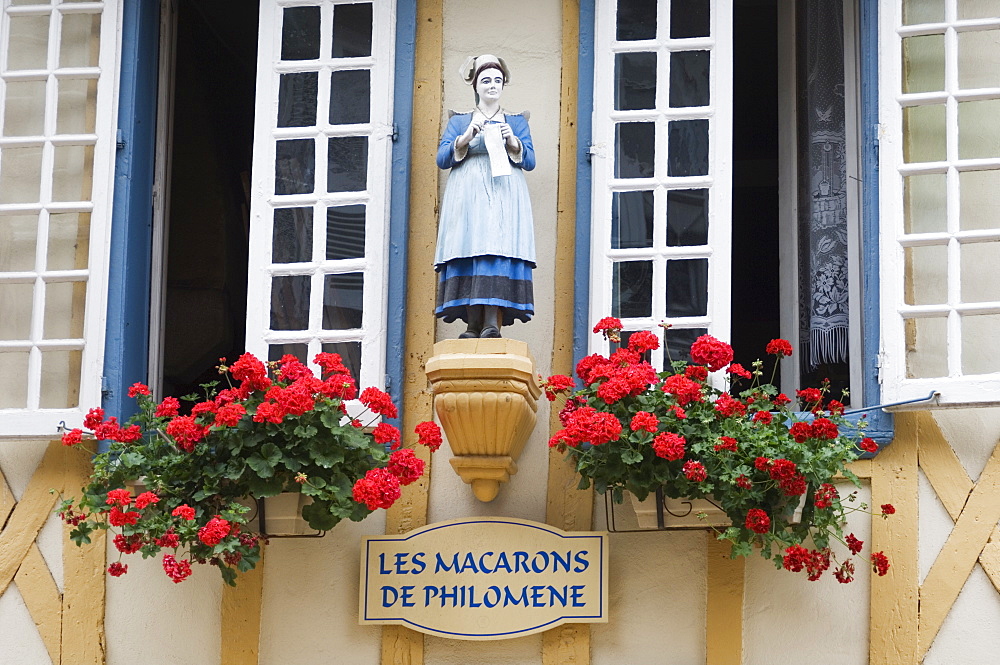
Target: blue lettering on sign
(581, 558)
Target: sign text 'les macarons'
(484, 578)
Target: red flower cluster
(609, 326)
(815, 562)
(726, 443)
(728, 406)
(186, 432)
(168, 408)
(853, 543)
(683, 388)
(786, 473)
(120, 497)
(251, 372)
(888, 509)
(587, 424)
(880, 563)
(845, 573)
(695, 471)
(763, 417)
(669, 446)
(137, 389)
(758, 521)
(385, 433)
(379, 402)
(146, 499)
(118, 518)
(820, 428)
(117, 569)
(555, 384)
(176, 570)
(825, 495)
(811, 397)
(72, 437)
(711, 352)
(868, 445)
(743, 482)
(428, 434)
(184, 511)
(643, 420)
(643, 341)
(696, 372)
(378, 489)
(168, 539)
(405, 465)
(778, 347)
(737, 369)
(128, 544)
(214, 531)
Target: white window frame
(35, 421)
(371, 335)
(955, 389)
(718, 180)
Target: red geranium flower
(778, 347)
(428, 434)
(643, 420)
(758, 521)
(669, 446)
(695, 471)
(711, 352)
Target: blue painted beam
(584, 134)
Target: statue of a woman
(486, 244)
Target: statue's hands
(508, 136)
(470, 133)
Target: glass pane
(300, 33)
(14, 369)
(294, 166)
(80, 42)
(297, 99)
(25, 111)
(980, 196)
(975, 257)
(291, 240)
(977, 9)
(342, 301)
(352, 30)
(69, 241)
(924, 203)
(350, 355)
(61, 379)
(979, 344)
(687, 217)
(635, 81)
(72, 175)
(689, 78)
(636, 20)
(689, 18)
(350, 96)
(631, 219)
(347, 164)
(979, 58)
(276, 352)
(345, 232)
(923, 63)
(634, 149)
(632, 289)
(678, 343)
(15, 303)
(20, 175)
(75, 106)
(64, 303)
(290, 302)
(924, 133)
(923, 11)
(27, 46)
(687, 287)
(687, 147)
(926, 348)
(18, 235)
(979, 129)
(926, 275)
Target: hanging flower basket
(771, 470)
(181, 485)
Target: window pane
(15, 303)
(18, 235)
(350, 97)
(687, 217)
(923, 133)
(976, 257)
(980, 195)
(687, 149)
(635, 81)
(291, 240)
(687, 287)
(926, 348)
(689, 78)
(76, 99)
(14, 369)
(927, 275)
(923, 11)
(636, 20)
(300, 33)
(345, 232)
(294, 166)
(924, 203)
(979, 58)
(350, 355)
(631, 220)
(20, 174)
(290, 302)
(689, 18)
(72, 175)
(923, 63)
(632, 289)
(977, 9)
(69, 241)
(348, 164)
(61, 379)
(342, 301)
(979, 344)
(276, 352)
(25, 108)
(78, 44)
(678, 343)
(64, 310)
(352, 30)
(297, 99)
(979, 129)
(27, 46)
(634, 149)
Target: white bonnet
(473, 63)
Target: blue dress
(486, 243)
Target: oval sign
(484, 578)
